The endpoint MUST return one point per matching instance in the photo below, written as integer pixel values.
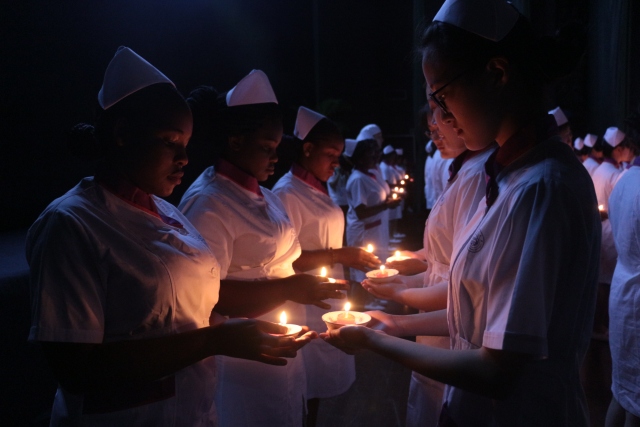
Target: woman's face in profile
(255, 153)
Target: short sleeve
(211, 224)
(533, 247)
(291, 205)
(68, 293)
(358, 193)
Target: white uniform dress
(104, 270)
(428, 184)
(605, 178)
(591, 164)
(254, 239)
(440, 174)
(337, 186)
(366, 189)
(319, 224)
(523, 279)
(453, 210)
(624, 300)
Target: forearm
(364, 212)
(433, 323)
(473, 370)
(250, 298)
(310, 260)
(431, 298)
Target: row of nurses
(249, 231)
(436, 168)
(122, 284)
(319, 225)
(624, 323)
(453, 210)
(524, 271)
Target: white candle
(291, 329)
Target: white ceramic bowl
(391, 273)
(333, 321)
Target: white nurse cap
(127, 73)
(387, 150)
(371, 131)
(252, 89)
(590, 140)
(349, 146)
(578, 144)
(399, 151)
(559, 115)
(614, 136)
(305, 121)
(491, 19)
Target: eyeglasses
(440, 101)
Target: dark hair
(142, 109)
(584, 151)
(323, 131)
(362, 147)
(215, 122)
(607, 149)
(540, 60)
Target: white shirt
(440, 174)
(103, 270)
(591, 164)
(624, 300)
(523, 279)
(337, 186)
(255, 240)
(319, 224)
(365, 189)
(428, 184)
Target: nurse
(319, 224)
(453, 210)
(524, 272)
(368, 216)
(595, 153)
(255, 243)
(120, 279)
(564, 127)
(337, 183)
(624, 211)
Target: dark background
(350, 59)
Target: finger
(322, 305)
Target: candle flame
(347, 306)
(283, 318)
(600, 208)
(395, 196)
(402, 182)
(402, 190)
(323, 272)
(382, 267)
(406, 177)
(395, 189)
(369, 247)
(397, 254)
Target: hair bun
(82, 142)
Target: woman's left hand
(356, 258)
(349, 339)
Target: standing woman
(523, 277)
(595, 157)
(368, 215)
(319, 224)
(248, 230)
(122, 284)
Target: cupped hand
(349, 339)
(385, 322)
(408, 267)
(252, 339)
(356, 258)
(312, 290)
(390, 290)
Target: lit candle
(402, 182)
(369, 248)
(601, 208)
(382, 272)
(406, 177)
(346, 318)
(291, 329)
(394, 196)
(402, 190)
(397, 254)
(396, 189)
(338, 319)
(323, 273)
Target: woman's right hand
(312, 290)
(408, 267)
(356, 258)
(251, 339)
(381, 321)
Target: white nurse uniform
(624, 316)
(319, 224)
(453, 210)
(247, 227)
(523, 279)
(591, 165)
(104, 270)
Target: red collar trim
(237, 175)
(134, 196)
(308, 178)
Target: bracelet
(333, 257)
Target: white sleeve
(68, 293)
